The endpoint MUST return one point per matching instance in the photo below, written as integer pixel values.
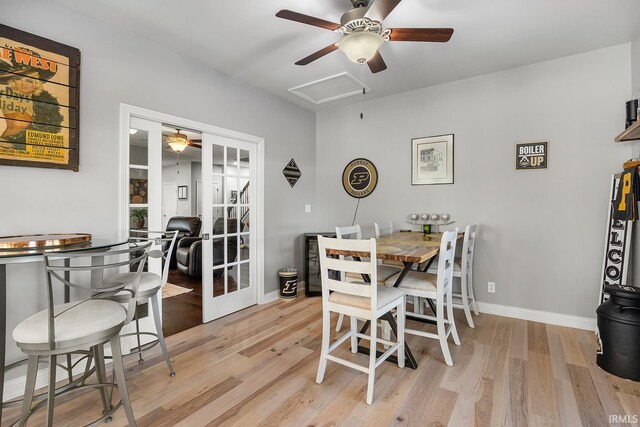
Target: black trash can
(619, 330)
(288, 282)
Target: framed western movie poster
(39, 101)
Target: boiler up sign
(532, 155)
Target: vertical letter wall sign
(617, 247)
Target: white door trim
(127, 111)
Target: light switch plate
(307, 208)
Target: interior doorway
(214, 179)
(182, 295)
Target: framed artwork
(138, 194)
(432, 160)
(532, 155)
(39, 101)
(182, 192)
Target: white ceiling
(245, 40)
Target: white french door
(229, 218)
(229, 196)
(144, 190)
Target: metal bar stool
(81, 325)
(150, 289)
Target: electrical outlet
(492, 287)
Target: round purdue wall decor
(360, 178)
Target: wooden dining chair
(85, 324)
(439, 288)
(463, 268)
(385, 272)
(359, 300)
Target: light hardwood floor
(258, 367)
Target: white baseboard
(270, 297)
(559, 319)
(15, 387)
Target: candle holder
(430, 223)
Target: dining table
(412, 249)
(30, 249)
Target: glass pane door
(143, 198)
(228, 260)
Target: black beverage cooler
(312, 281)
(619, 330)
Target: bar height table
(26, 254)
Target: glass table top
(94, 244)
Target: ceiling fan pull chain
(363, 89)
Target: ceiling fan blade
(377, 64)
(317, 55)
(420, 34)
(192, 144)
(380, 9)
(306, 19)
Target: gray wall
(635, 67)
(120, 67)
(542, 232)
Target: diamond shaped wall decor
(292, 173)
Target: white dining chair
(383, 228)
(463, 268)
(439, 288)
(85, 324)
(359, 300)
(385, 272)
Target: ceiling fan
(179, 141)
(363, 33)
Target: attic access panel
(329, 89)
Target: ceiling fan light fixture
(361, 46)
(178, 142)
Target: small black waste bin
(288, 282)
(619, 330)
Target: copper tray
(43, 240)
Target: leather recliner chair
(189, 251)
(186, 226)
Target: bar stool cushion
(386, 295)
(149, 284)
(77, 321)
(417, 280)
